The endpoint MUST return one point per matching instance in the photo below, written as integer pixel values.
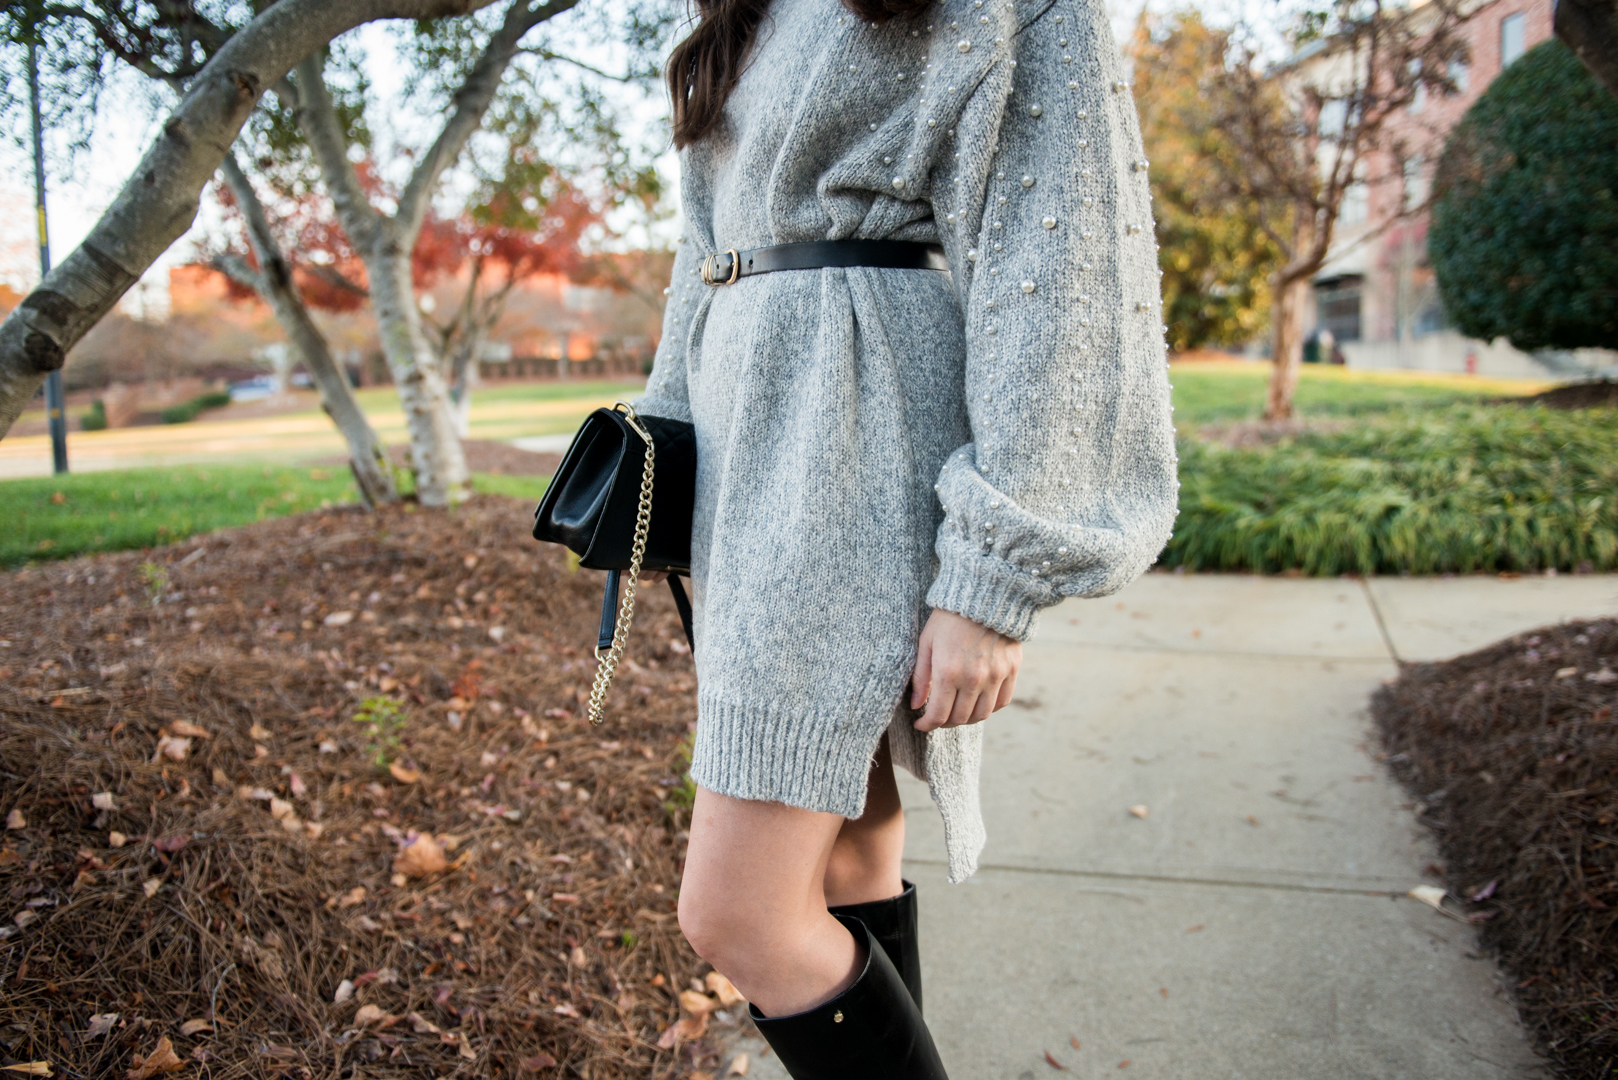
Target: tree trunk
(367, 455)
(435, 450)
(1289, 305)
(159, 201)
(1590, 29)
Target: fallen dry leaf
(296, 785)
(422, 1026)
(30, 1068)
(345, 991)
(150, 886)
(466, 1052)
(1073, 1041)
(116, 839)
(1140, 810)
(538, 1061)
(280, 808)
(259, 733)
(1124, 1064)
(100, 1024)
(722, 989)
(368, 1015)
(1431, 895)
(161, 1060)
(15, 820)
(1194, 929)
(171, 747)
(738, 1066)
(338, 618)
(190, 730)
(404, 773)
(1053, 1063)
(193, 1027)
(421, 856)
(356, 895)
(102, 800)
(697, 1004)
(568, 1010)
(168, 845)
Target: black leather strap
(727, 267)
(609, 610)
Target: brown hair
(704, 68)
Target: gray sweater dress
(875, 443)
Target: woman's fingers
(1007, 689)
(655, 578)
(921, 679)
(940, 706)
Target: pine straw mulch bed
(255, 918)
(1512, 752)
(1585, 395)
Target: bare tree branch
(546, 54)
(159, 201)
(471, 101)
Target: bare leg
(864, 863)
(753, 902)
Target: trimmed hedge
(1465, 489)
(180, 414)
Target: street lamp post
(55, 405)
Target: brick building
(1377, 294)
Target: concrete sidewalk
(1254, 923)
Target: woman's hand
(656, 577)
(963, 673)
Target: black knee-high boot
(893, 923)
(871, 1031)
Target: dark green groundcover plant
(1524, 233)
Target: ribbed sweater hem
(771, 752)
(987, 591)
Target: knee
(710, 922)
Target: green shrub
(1464, 489)
(187, 411)
(96, 418)
(1524, 235)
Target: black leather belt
(727, 267)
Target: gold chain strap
(607, 665)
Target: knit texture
(876, 443)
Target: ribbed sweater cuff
(987, 591)
(773, 753)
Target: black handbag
(621, 500)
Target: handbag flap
(579, 494)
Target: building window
(1415, 182)
(1356, 205)
(1512, 40)
(1337, 304)
(1333, 117)
(1459, 75)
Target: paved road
(1253, 924)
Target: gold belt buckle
(709, 277)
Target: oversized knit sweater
(876, 443)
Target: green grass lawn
(1428, 481)
(1220, 393)
(59, 517)
(380, 398)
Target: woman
(906, 449)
